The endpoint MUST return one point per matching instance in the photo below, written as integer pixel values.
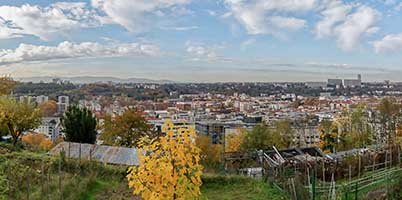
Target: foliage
(170, 168)
(126, 130)
(41, 177)
(79, 125)
(348, 130)
(18, 117)
(210, 154)
(234, 141)
(284, 134)
(38, 141)
(6, 85)
(264, 137)
(3, 130)
(389, 116)
(48, 109)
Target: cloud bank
(66, 50)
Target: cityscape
(197, 100)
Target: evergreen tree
(79, 125)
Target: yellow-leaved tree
(235, 140)
(169, 167)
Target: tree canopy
(6, 85)
(18, 117)
(79, 125)
(265, 137)
(127, 129)
(49, 108)
(170, 169)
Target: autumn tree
(170, 167)
(235, 140)
(48, 109)
(210, 154)
(361, 130)
(6, 85)
(79, 125)
(328, 136)
(127, 129)
(37, 141)
(389, 117)
(18, 117)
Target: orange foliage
(209, 152)
(48, 109)
(39, 141)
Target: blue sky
(203, 41)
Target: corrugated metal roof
(100, 153)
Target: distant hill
(91, 79)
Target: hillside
(35, 175)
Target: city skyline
(203, 41)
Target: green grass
(96, 181)
(93, 187)
(239, 188)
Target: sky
(203, 40)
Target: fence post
(313, 187)
(356, 190)
(60, 178)
(28, 185)
(346, 192)
(42, 178)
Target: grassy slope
(101, 186)
(239, 188)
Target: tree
(48, 108)
(6, 85)
(126, 130)
(210, 154)
(235, 140)
(283, 134)
(389, 117)
(79, 125)
(18, 117)
(328, 137)
(361, 130)
(170, 167)
(38, 141)
(263, 137)
(260, 137)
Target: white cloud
(269, 16)
(200, 51)
(355, 26)
(44, 22)
(334, 13)
(289, 5)
(65, 50)
(348, 23)
(181, 28)
(131, 13)
(287, 22)
(388, 44)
